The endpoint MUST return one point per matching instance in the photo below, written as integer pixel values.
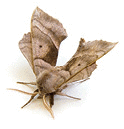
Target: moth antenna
(32, 97)
(62, 94)
(47, 106)
(32, 83)
(23, 91)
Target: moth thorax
(44, 82)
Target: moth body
(48, 81)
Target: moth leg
(32, 97)
(24, 92)
(62, 94)
(51, 99)
(27, 83)
(24, 83)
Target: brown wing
(47, 34)
(40, 47)
(82, 64)
(25, 46)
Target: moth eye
(79, 64)
(40, 46)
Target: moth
(40, 47)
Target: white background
(102, 97)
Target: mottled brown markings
(101, 51)
(53, 33)
(26, 47)
(47, 59)
(72, 77)
(51, 55)
(64, 78)
(37, 58)
(70, 64)
(24, 42)
(87, 71)
(46, 36)
(39, 66)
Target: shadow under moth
(40, 47)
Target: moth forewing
(83, 62)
